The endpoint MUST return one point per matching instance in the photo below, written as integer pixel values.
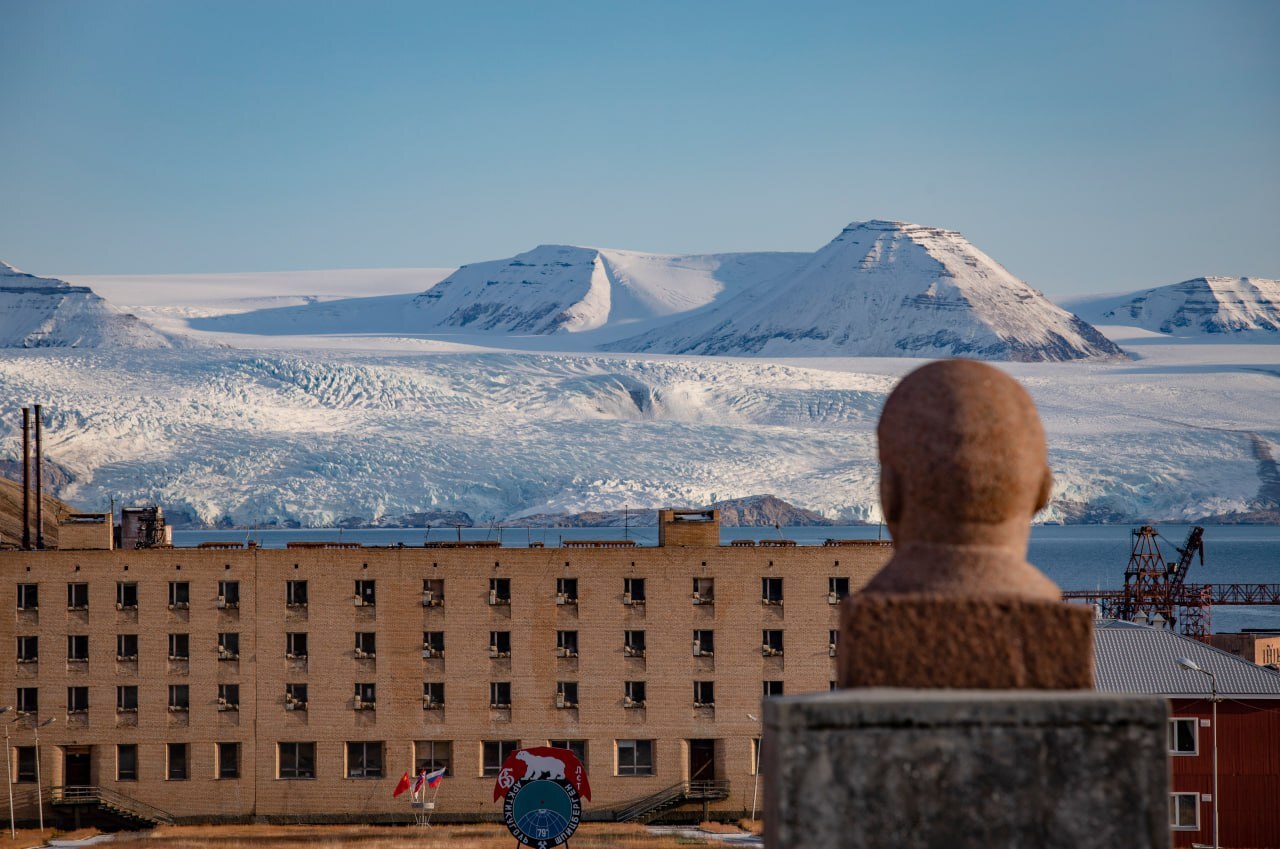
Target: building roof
(1131, 658)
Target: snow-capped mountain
(885, 288)
(44, 312)
(583, 296)
(1200, 306)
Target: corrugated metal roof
(1132, 658)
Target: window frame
(291, 640)
(629, 643)
(366, 695)
(704, 642)
(567, 643)
(26, 772)
(635, 765)
(1172, 746)
(179, 698)
(179, 595)
(121, 646)
(77, 648)
(771, 592)
(566, 590)
(126, 595)
(500, 591)
(295, 594)
(179, 770)
(433, 695)
(361, 750)
(771, 642)
(433, 761)
(228, 594)
(1175, 810)
(704, 590)
(223, 773)
(630, 691)
(366, 645)
(499, 644)
(704, 694)
(496, 695)
(27, 702)
(578, 747)
(633, 591)
(366, 592)
(566, 694)
(131, 749)
(180, 646)
(28, 597)
(292, 759)
(768, 687)
(74, 589)
(228, 696)
(28, 648)
(501, 749)
(126, 693)
(77, 699)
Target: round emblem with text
(542, 812)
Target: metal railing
(676, 794)
(88, 794)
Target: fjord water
(1077, 557)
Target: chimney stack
(26, 479)
(39, 478)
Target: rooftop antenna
(39, 477)
(26, 479)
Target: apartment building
(299, 684)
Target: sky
(1088, 146)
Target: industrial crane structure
(1156, 591)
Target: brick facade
(736, 667)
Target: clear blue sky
(1089, 146)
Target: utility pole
(39, 476)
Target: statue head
(963, 463)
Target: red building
(1139, 659)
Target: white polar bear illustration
(539, 767)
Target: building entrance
(702, 760)
(77, 763)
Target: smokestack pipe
(26, 479)
(39, 477)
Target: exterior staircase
(651, 807)
(111, 803)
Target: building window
(633, 591)
(1183, 738)
(366, 645)
(295, 645)
(126, 646)
(177, 770)
(366, 697)
(228, 760)
(28, 649)
(228, 594)
(77, 596)
(499, 590)
(578, 747)
(494, 753)
(771, 590)
(77, 647)
(126, 595)
(77, 700)
(364, 760)
(431, 755)
(1184, 811)
(126, 762)
(229, 646)
(566, 590)
(295, 594)
(499, 644)
(295, 696)
(633, 643)
(772, 688)
(297, 760)
(28, 700)
(771, 643)
(500, 695)
(704, 643)
(566, 694)
(704, 694)
(837, 588)
(179, 698)
(127, 699)
(633, 694)
(228, 697)
(833, 639)
(755, 756)
(432, 695)
(26, 764)
(179, 595)
(28, 596)
(635, 757)
(179, 646)
(704, 590)
(433, 592)
(366, 593)
(433, 643)
(566, 643)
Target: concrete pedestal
(953, 769)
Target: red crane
(1156, 590)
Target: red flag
(402, 786)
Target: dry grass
(588, 836)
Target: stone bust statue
(964, 468)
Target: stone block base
(941, 641)
(965, 769)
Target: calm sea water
(1083, 557)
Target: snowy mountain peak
(45, 312)
(1202, 305)
(887, 288)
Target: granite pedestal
(954, 769)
